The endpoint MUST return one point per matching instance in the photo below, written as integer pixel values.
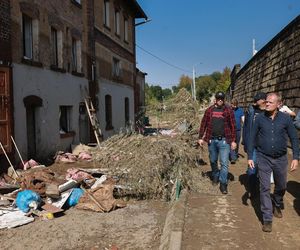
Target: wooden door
(5, 109)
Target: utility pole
(254, 51)
(194, 85)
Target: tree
(185, 82)
(224, 81)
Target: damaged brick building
(53, 55)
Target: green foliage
(185, 82)
(207, 85)
(156, 93)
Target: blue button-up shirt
(270, 136)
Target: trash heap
(149, 167)
(180, 113)
(39, 192)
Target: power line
(162, 60)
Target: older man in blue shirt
(269, 137)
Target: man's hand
(251, 164)
(294, 165)
(201, 142)
(233, 145)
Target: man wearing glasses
(218, 130)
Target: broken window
(126, 111)
(27, 37)
(65, 119)
(108, 112)
(116, 67)
(106, 13)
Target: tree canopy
(206, 86)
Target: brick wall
(276, 67)
(5, 31)
(65, 16)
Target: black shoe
(267, 226)
(277, 212)
(223, 188)
(215, 181)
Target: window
(126, 111)
(27, 37)
(54, 53)
(126, 29)
(116, 67)
(78, 1)
(106, 13)
(76, 55)
(117, 22)
(108, 112)
(65, 119)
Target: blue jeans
(219, 149)
(235, 153)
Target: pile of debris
(40, 192)
(151, 166)
(180, 113)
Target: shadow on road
(293, 187)
(254, 201)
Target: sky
(206, 35)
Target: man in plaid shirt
(218, 130)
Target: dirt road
(228, 222)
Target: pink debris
(84, 156)
(77, 175)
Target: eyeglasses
(220, 100)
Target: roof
(138, 11)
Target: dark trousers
(266, 165)
(234, 154)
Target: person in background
(269, 137)
(239, 120)
(218, 130)
(286, 109)
(253, 110)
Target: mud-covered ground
(137, 226)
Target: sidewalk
(224, 222)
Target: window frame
(116, 68)
(54, 47)
(106, 16)
(27, 35)
(108, 112)
(117, 22)
(65, 118)
(126, 29)
(127, 111)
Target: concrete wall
(276, 67)
(118, 93)
(55, 89)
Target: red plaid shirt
(229, 125)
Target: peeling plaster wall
(55, 89)
(118, 93)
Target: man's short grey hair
(279, 97)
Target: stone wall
(276, 67)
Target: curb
(172, 234)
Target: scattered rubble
(125, 166)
